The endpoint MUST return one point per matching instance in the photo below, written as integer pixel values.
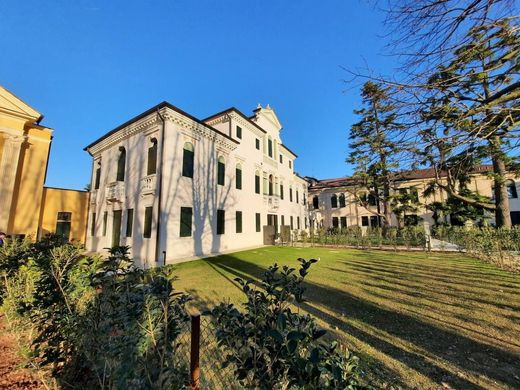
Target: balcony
(270, 161)
(272, 202)
(148, 185)
(115, 192)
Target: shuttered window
(186, 221)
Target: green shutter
(257, 216)
(239, 221)
(129, 222)
(257, 184)
(147, 229)
(220, 173)
(187, 163)
(221, 221)
(239, 179)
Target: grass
(421, 320)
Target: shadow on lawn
(433, 344)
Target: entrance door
(116, 228)
(272, 220)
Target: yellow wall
(30, 176)
(56, 200)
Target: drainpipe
(159, 200)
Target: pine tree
(375, 147)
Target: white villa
(173, 187)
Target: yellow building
(27, 208)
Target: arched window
(270, 147)
(315, 202)
(97, 177)
(257, 182)
(271, 185)
(238, 177)
(121, 164)
(342, 200)
(188, 158)
(334, 201)
(221, 171)
(152, 158)
(511, 190)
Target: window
(335, 222)
(105, 218)
(239, 132)
(257, 143)
(290, 194)
(371, 199)
(238, 221)
(93, 226)
(281, 191)
(290, 164)
(343, 222)
(121, 163)
(188, 157)
(129, 222)
(511, 190)
(221, 216)
(283, 220)
(271, 185)
(306, 223)
(298, 222)
(186, 217)
(147, 230)
(281, 159)
(364, 221)
(414, 194)
(257, 183)
(411, 220)
(297, 197)
(375, 221)
(221, 169)
(63, 224)
(258, 221)
(270, 147)
(238, 177)
(152, 158)
(342, 200)
(98, 176)
(315, 202)
(292, 225)
(334, 201)
(515, 218)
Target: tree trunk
(502, 214)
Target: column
(8, 169)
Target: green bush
(271, 347)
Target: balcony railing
(93, 196)
(115, 192)
(148, 185)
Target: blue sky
(89, 66)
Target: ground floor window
(335, 222)
(221, 216)
(147, 229)
(411, 220)
(129, 222)
(343, 222)
(515, 217)
(186, 220)
(375, 221)
(105, 218)
(283, 221)
(292, 224)
(364, 221)
(93, 225)
(63, 224)
(298, 223)
(238, 221)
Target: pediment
(269, 114)
(12, 105)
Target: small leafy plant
(272, 347)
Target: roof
(416, 174)
(150, 111)
(12, 104)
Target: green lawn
(425, 320)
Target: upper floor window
(271, 185)
(239, 132)
(290, 194)
(152, 158)
(342, 200)
(188, 157)
(257, 182)
(221, 171)
(238, 177)
(97, 178)
(281, 191)
(270, 147)
(281, 159)
(297, 197)
(121, 164)
(315, 203)
(257, 143)
(334, 201)
(511, 190)
(290, 164)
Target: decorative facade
(174, 187)
(335, 203)
(28, 208)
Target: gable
(12, 105)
